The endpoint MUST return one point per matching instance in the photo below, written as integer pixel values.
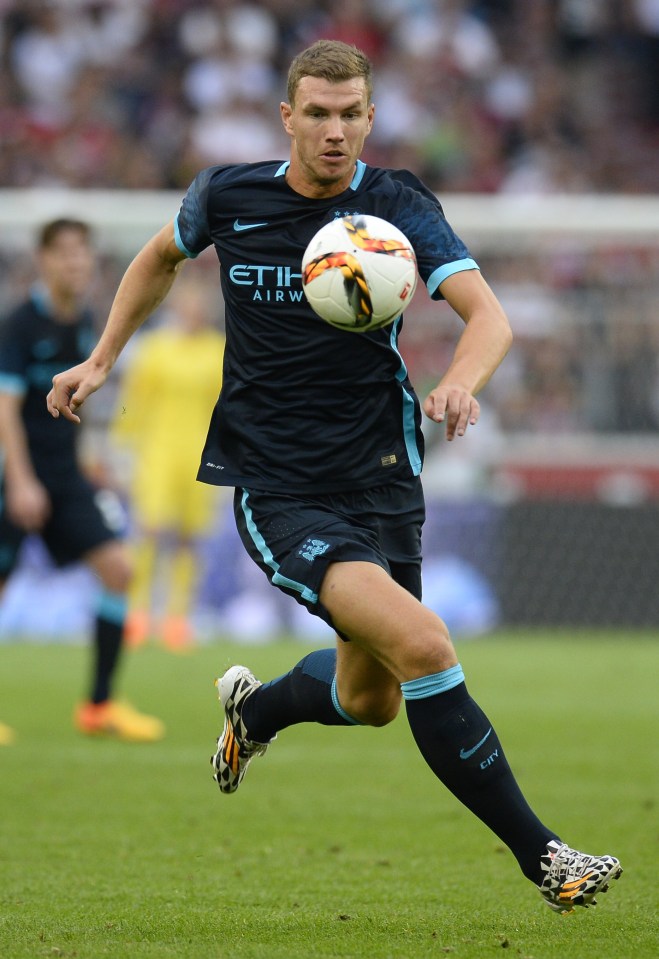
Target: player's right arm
(144, 286)
(27, 500)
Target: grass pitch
(340, 843)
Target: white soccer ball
(359, 272)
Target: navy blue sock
(461, 747)
(306, 694)
(109, 628)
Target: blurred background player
(44, 490)
(167, 394)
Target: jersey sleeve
(191, 229)
(439, 250)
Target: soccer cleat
(573, 878)
(117, 720)
(177, 634)
(234, 748)
(137, 629)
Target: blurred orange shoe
(7, 735)
(137, 629)
(118, 720)
(177, 634)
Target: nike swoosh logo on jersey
(238, 226)
(466, 753)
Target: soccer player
(167, 394)
(43, 488)
(319, 432)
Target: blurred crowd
(474, 95)
(484, 96)
(586, 352)
(509, 97)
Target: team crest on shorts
(313, 548)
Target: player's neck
(64, 307)
(315, 189)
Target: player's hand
(453, 405)
(72, 387)
(28, 504)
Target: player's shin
(462, 748)
(306, 694)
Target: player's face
(67, 265)
(327, 125)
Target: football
(359, 272)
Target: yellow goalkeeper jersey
(168, 391)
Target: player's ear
(286, 111)
(370, 114)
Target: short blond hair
(330, 60)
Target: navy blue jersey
(33, 348)
(305, 406)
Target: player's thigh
(198, 506)
(155, 503)
(294, 539)
(368, 607)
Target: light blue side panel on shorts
(278, 579)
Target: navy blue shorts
(294, 538)
(82, 518)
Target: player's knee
(428, 651)
(117, 577)
(122, 576)
(113, 566)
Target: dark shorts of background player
(82, 517)
(295, 538)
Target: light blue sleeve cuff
(180, 244)
(442, 272)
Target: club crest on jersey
(313, 548)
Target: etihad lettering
(270, 284)
(252, 274)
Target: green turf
(340, 844)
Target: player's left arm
(482, 346)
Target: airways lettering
(277, 296)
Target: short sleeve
(191, 225)
(440, 251)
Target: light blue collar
(360, 170)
